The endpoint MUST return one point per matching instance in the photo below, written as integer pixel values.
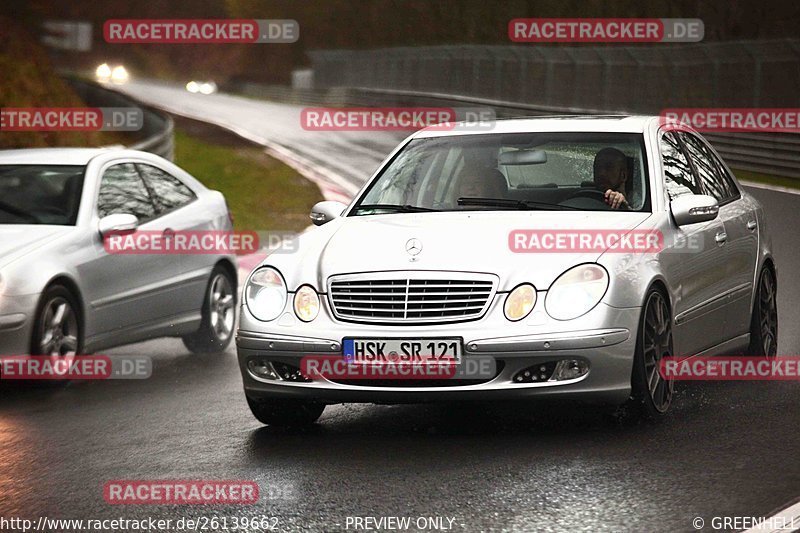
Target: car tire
(651, 394)
(57, 327)
(285, 413)
(218, 315)
(764, 320)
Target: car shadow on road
(486, 425)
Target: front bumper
(605, 338)
(16, 323)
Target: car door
(123, 289)
(694, 272)
(740, 235)
(185, 275)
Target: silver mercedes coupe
(63, 293)
(572, 253)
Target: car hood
(17, 240)
(466, 242)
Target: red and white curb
(331, 185)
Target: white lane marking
(776, 188)
(786, 520)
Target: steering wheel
(594, 194)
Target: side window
(170, 192)
(123, 191)
(715, 181)
(678, 176)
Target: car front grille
(411, 297)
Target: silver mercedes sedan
(570, 253)
(63, 291)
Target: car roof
(51, 156)
(550, 123)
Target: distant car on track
(423, 256)
(62, 292)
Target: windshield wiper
(18, 212)
(396, 208)
(516, 204)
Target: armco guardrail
(635, 78)
(769, 153)
(161, 143)
(587, 79)
(158, 132)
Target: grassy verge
(781, 181)
(262, 193)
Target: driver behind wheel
(611, 172)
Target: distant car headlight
(306, 303)
(576, 292)
(266, 294)
(119, 74)
(193, 87)
(208, 87)
(103, 72)
(520, 302)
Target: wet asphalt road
(727, 449)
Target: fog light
(536, 374)
(289, 372)
(570, 369)
(262, 368)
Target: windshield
(40, 194)
(511, 171)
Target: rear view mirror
(119, 224)
(323, 212)
(523, 157)
(694, 208)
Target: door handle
(751, 225)
(721, 237)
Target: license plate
(402, 351)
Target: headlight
(519, 302)
(576, 292)
(119, 74)
(306, 303)
(103, 72)
(265, 294)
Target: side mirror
(694, 208)
(119, 224)
(323, 212)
